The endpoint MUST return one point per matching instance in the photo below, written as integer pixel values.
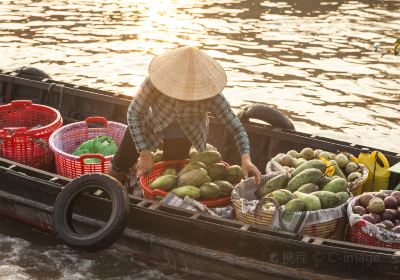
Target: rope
(61, 96)
(60, 100)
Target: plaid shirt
(151, 111)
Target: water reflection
(311, 59)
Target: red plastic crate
(159, 168)
(67, 138)
(25, 129)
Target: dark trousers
(126, 155)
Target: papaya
(307, 153)
(225, 187)
(308, 188)
(342, 160)
(325, 180)
(193, 151)
(207, 157)
(326, 155)
(192, 166)
(354, 176)
(311, 202)
(170, 171)
(293, 154)
(164, 182)
(158, 155)
(299, 161)
(327, 199)
(234, 174)
(195, 177)
(317, 152)
(351, 167)
(336, 185)
(190, 191)
(343, 196)
(209, 191)
(273, 184)
(217, 171)
(269, 206)
(287, 160)
(281, 196)
(338, 171)
(311, 175)
(295, 205)
(314, 163)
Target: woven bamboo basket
(333, 229)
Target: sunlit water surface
(313, 60)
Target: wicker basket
(363, 232)
(333, 229)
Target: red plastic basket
(67, 138)
(358, 233)
(25, 129)
(158, 169)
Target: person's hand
(145, 163)
(248, 166)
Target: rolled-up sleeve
(136, 113)
(221, 109)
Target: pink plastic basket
(66, 139)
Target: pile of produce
(312, 180)
(205, 177)
(381, 209)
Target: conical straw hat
(187, 74)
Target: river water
(313, 60)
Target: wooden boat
(175, 238)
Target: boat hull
(171, 237)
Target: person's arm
(136, 113)
(221, 109)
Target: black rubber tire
(267, 114)
(32, 71)
(114, 227)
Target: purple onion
(359, 210)
(390, 202)
(389, 214)
(369, 218)
(377, 217)
(381, 195)
(396, 229)
(388, 224)
(380, 225)
(396, 194)
(364, 199)
(397, 222)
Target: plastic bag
(104, 145)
